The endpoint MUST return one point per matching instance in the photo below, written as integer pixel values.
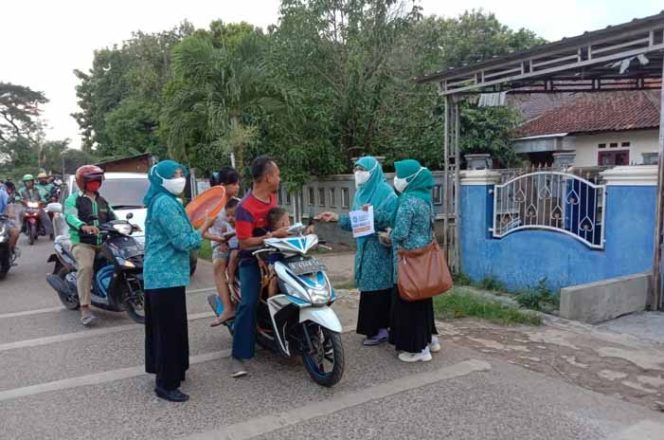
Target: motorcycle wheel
(32, 233)
(5, 262)
(136, 308)
(69, 301)
(325, 364)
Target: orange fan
(208, 203)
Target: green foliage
(489, 130)
(19, 111)
(539, 298)
(492, 284)
(333, 80)
(461, 279)
(464, 302)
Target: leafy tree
(19, 111)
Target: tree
(19, 111)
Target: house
(597, 129)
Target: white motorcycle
(298, 319)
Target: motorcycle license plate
(303, 267)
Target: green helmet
(28, 177)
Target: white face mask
(400, 184)
(174, 186)
(362, 176)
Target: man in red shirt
(251, 229)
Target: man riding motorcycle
(44, 187)
(84, 212)
(30, 193)
(8, 208)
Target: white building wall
(641, 141)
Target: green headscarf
(375, 190)
(420, 179)
(163, 170)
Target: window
(333, 197)
(438, 195)
(612, 158)
(613, 145)
(601, 146)
(625, 144)
(344, 198)
(312, 197)
(321, 196)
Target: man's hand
(281, 232)
(89, 229)
(327, 217)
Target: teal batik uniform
(373, 261)
(169, 235)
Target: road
(61, 381)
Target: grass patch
(464, 302)
(539, 298)
(205, 252)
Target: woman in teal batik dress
(374, 270)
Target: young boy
(224, 254)
(277, 218)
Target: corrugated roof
(593, 112)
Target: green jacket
(80, 211)
(44, 191)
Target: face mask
(93, 186)
(362, 176)
(175, 186)
(400, 184)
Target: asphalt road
(61, 381)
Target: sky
(43, 41)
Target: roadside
(622, 358)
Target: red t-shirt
(251, 216)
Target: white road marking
(57, 309)
(97, 378)
(84, 334)
(270, 423)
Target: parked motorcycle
(7, 257)
(117, 284)
(297, 320)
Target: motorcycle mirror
(129, 216)
(54, 207)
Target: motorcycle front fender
(323, 316)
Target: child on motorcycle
(277, 218)
(225, 250)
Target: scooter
(117, 284)
(31, 226)
(298, 319)
(7, 257)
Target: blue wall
(521, 259)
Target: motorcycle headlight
(123, 228)
(33, 204)
(126, 263)
(319, 297)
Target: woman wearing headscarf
(374, 270)
(413, 323)
(169, 238)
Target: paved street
(61, 381)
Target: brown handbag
(423, 273)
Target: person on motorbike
(84, 212)
(44, 187)
(30, 193)
(251, 228)
(8, 208)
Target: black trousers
(412, 324)
(374, 312)
(166, 336)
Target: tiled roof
(593, 112)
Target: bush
(539, 298)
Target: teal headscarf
(163, 170)
(419, 185)
(375, 190)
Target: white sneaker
(434, 347)
(422, 356)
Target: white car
(124, 192)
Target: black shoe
(171, 395)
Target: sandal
(88, 320)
